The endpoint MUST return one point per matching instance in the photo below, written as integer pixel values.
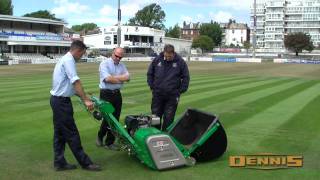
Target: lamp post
(254, 28)
(119, 25)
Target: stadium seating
(29, 58)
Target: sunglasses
(119, 57)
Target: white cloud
(66, 7)
(187, 19)
(221, 16)
(130, 9)
(185, 2)
(200, 17)
(233, 4)
(107, 10)
(76, 13)
(60, 1)
(101, 21)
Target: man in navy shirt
(168, 77)
(113, 74)
(65, 84)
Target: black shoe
(93, 167)
(65, 167)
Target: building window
(150, 39)
(115, 39)
(144, 39)
(107, 42)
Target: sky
(104, 12)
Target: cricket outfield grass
(265, 108)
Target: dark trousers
(115, 98)
(65, 131)
(165, 107)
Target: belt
(115, 91)
(61, 97)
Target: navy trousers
(115, 98)
(164, 106)
(65, 131)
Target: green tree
(247, 46)
(173, 32)
(77, 28)
(84, 27)
(297, 42)
(212, 30)
(150, 16)
(203, 42)
(6, 7)
(42, 14)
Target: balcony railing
(28, 36)
(274, 19)
(144, 44)
(303, 26)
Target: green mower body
(196, 136)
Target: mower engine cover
(134, 122)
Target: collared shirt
(64, 75)
(108, 68)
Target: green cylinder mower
(196, 136)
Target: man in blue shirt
(65, 84)
(113, 74)
(168, 77)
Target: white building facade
(277, 18)
(236, 34)
(181, 46)
(134, 38)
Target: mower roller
(195, 136)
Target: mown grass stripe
(191, 97)
(240, 101)
(25, 89)
(203, 86)
(292, 134)
(193, 81)
(262, 125)
(25, 97)
(195, 90)
(245, 112)
(205, 101)
(47, 80)
(26, 106)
